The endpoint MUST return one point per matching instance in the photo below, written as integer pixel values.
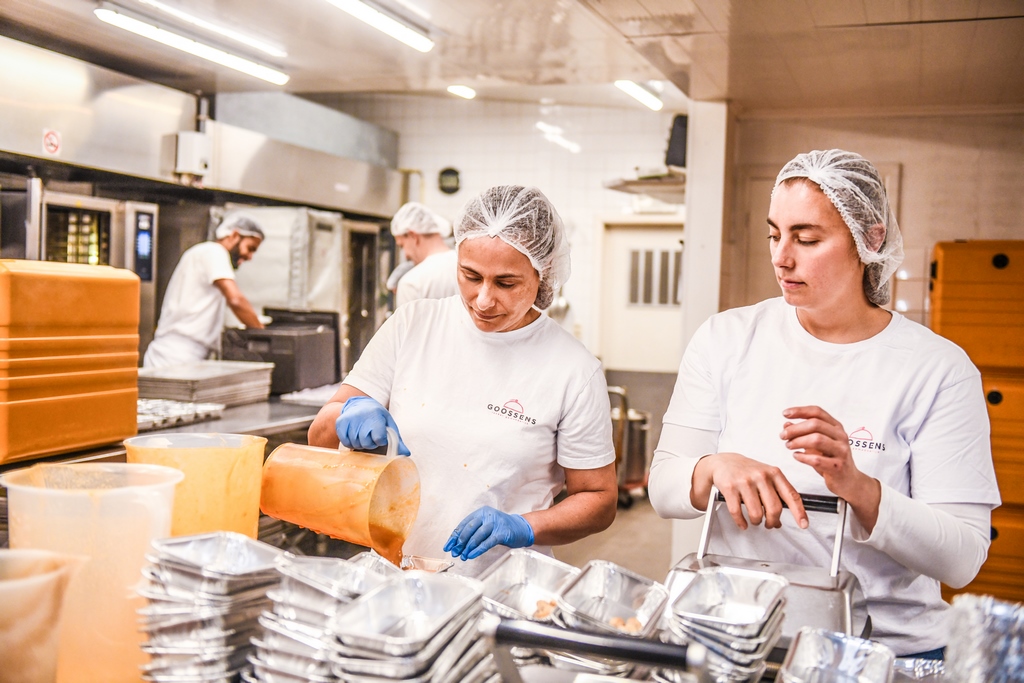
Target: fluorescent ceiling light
(644, 96)
(462, 91)
(115, 17)
(385, 24)
(231, 34)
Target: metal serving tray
(219, 554)
(604, 591)
(402, 615)
(335, 577)
(515, 584)
(417, 669)
(741, 600)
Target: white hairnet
(855, 188)
(240, 223)
(525, 220)
(415, 217)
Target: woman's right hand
(746, 482)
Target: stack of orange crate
(977, 301)
(68, 357)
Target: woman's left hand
(821, 442)
(486, 528)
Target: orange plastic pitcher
(363, 498)
(221, 489)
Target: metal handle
(520, 633)
(812, 503)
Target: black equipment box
(303, 356)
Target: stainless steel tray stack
(205, 594)
(294, 646)
(735, 613)
(417, 626)
(212, 381)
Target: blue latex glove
(363, 425)
(486, 528)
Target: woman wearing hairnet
(498, 405)
(823, 391)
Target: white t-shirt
(912, 404)
(490, 418)
(432, 278)
(193, 307)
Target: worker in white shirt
(202, 285)
(421, 234)
(824, 391)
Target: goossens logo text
(512, 410)
(862, 440)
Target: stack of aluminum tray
(607, 598)
(294, 644)
(736, 614)
(157, 413)
(417, 626)
(205, 595)
(211, 381)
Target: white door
(641, 317)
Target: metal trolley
(629, 433)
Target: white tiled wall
(494, 143)
(962, 177)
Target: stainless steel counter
(266, 418)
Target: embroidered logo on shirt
(512, 410)
(862, 440)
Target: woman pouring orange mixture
(823, 391)
(498, 404)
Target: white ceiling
(760, 54)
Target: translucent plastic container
(108, 513)
(221, 489)
(363, 498)
(32, 588)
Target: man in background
(203, 283)
(421, 234)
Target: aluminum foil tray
(820, 655)
(402, 615)
(769, 632)
(330, 576)
(291, 662)
(376, 563)
(196, 582)
(424, 667)
(605, 593)
(219, 554)
(267, 673)
(741, 600)
(517, 585)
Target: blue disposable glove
(363, 425)
(486, 528)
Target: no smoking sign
(51, 142)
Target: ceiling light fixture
(462, 91)
(115, 16)
(231, 34)
(641, 94)
(385, 24)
